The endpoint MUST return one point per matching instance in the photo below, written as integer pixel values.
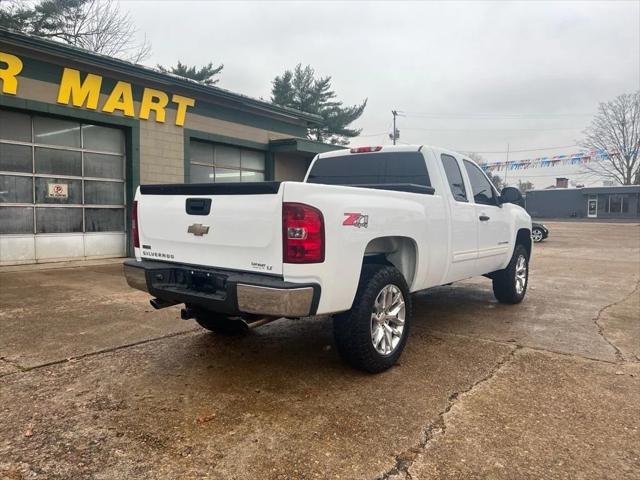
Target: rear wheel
(372, 335)
(221, 324)
(510, 284)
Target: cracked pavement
(96, 385)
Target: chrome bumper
(273, 298)
(277, 302)
(136, 277)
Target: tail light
(134, 225)
(302, 234)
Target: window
(454, 177)
(371, 168)
(480, 185)
(618, 203)
(60, 176)
(213, 162)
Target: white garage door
(62, 189)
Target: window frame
(379, 170)
(33, 145)
(494, 193)
(446, 176)
(214, 165)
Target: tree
(96, 25)
(615, 130)
(525, 186)
(495, 179)
(300, 89)
(205, 74)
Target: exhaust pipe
(259, 322)
(159, 303)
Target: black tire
(221, 324)
(353, 329)
(505, 287)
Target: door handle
(484, 218)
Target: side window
(454, 177)
(482, 190)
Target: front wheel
(510, 284)
(537, 235)
(372, 335)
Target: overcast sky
(470, 76)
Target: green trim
(215, 138)
(270, 167)
(52, 73)
(132, 139)
(102, 61)
(302, 145)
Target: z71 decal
(356, 220)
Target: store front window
(60, 176)
(215, 162)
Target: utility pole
(506, 167)
(395, 132)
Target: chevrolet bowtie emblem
(198, 229)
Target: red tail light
(302, 234)
(366, 149)
(134, 225)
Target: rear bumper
(223, 291)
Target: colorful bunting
(578, 158)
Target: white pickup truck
(366, 228)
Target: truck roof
(390, 148)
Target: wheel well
(400, 252)
(524, 238)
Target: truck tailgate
(241, 231)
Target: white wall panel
(17, 249)
(59, 247)
(105, 245)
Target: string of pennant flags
(579, 158)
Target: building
(586, 202)
(80, 131)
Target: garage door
(62, 189)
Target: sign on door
(58, 190)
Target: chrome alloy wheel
(387, 320)
(521, 274)
(536, 235)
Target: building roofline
(302, 145)
(58, 49)
(585, 189)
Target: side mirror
(511, 195)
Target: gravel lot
(94, 384)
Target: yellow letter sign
(80, 93)
(10, 73)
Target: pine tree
(205, 74)
(300, 89)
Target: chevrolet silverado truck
(366, 228)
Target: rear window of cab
(380, 168)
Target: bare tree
(96, 25)
(615, 131)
